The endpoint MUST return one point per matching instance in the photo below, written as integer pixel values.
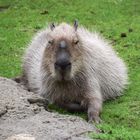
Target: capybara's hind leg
(72, 107)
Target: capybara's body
(66, 65)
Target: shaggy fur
(97, 72)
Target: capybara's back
(68, 64)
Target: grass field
(116, 20)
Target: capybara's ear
(75, 24)
(52, 26)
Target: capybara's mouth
(64, 76)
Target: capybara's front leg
(93, 102)
(94, 109)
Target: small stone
(36, 109)
(2, 111)
(46, 121)
(21, 137)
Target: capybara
(74, 68)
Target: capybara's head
(63, 54)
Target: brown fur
(97, 73)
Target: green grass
(23, 18)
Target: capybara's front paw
(93, 116)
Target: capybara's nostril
(63, 65)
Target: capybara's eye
(76, 41)
(51, 42)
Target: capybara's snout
(62, 64)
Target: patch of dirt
(4, 7)
(123, 35)
(130, 30)
(45, 12)
(23, 117)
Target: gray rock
(20, 120)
